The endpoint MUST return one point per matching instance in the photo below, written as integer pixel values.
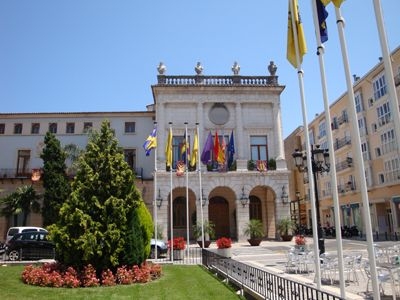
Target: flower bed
(55, 275)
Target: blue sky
(97, 55)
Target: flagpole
(359, 162)
(171, 208)
(335, 196)
(308, 152)
(200, 187)
(187, 188)
(389, 78)
(155, 197)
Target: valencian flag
(301, 41)
(151, 142)
(208, 146)
(322, 15)
(195, 151)
(337, 3)
(168, 149)
(231, 150)
(216, 146)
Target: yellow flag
(195, 150)
(337, 3)
(168, 149)
(291, 49)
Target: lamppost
(320, 164)
(298, 202)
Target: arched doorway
(218, 213)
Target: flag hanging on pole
(184, 149)
(195, 150)
(231, 150)
(216, 146)
(291, 49)
(208, 146)
(337, 3)
(168, 149)
(322, 15)
(151, 141)
(221, 152)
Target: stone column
(241, 160)
(279, 150)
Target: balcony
(340, 143)
(348, 163)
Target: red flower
(300, 239)
(179, 243)
(224, 242)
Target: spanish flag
(301, 41)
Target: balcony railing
(339, 143)
(186, 80)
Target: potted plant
(224, 245)
(209, 233)
(178, 244)
(255, 231)
(251, 165)
(285, 227)
(300, 242)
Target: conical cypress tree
(96, 223)
(55, 181)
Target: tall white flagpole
(155, 195)
(389, 78)
(200, 186)
(171, 204)
(359, 162)
(187, 188)
(308, 152)
(335, 196)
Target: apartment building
(380, 154)
(243, 110)
(22, 140)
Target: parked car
(32, 245)
(162, 248)
(20, 229)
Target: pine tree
(55, 181)
(96, 222)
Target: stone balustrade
(235, 80)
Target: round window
(219, 114)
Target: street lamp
(320, 164)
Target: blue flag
(151, 142)
(322, 15)
(231, 150)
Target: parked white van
(14, 230)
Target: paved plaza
(271, 256)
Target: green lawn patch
(177, 282)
